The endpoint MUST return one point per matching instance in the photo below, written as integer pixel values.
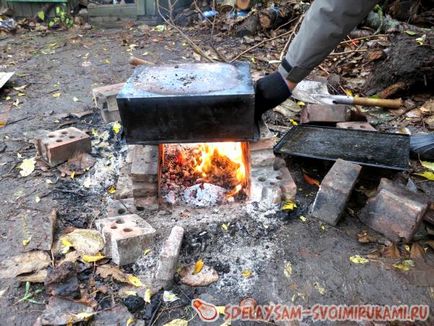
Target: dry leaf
(311, 181)
(247, 273)
(26, 263)
(417, 251)
(225, 227)
(391, 251)
(319, 288)
(148, 295)
(357, 259)
(177, 322)
(302, 218)
(429, 175)
(106, 271)
(92, 259)
(147, 251)
(57, 94)
(289, 206)
(111, 189)
(130, 321)
(116, 127)
(169, 296)
(364, 237)
(198, 266)
(404, 266)
(27, 166)
(287, 270)
(134, 280)
(85, 241)
(428, 165)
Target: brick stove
(193, 138)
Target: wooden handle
(136, 61)
(384, 103)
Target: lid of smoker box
(369, 148)
(189, 79)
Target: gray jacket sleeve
(326, 23)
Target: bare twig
(259, 44)
(348, 52)
(363, 38)
(294, 30)
(193, 45)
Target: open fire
(204, 174)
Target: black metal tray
(370, 148)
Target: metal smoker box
(201, 102)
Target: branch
(294, 30)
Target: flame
(223, 159)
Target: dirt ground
(72, 63)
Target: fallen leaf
(134, 280)
(293, 122)
(37, 199)
(111, 189)
(106, 271)
(319, 288)
(92, 259)
(26, 263)
(310, 180)
(417, 251)
(411, 33)
(148, 295)
(427, 175)
(85, 241)
(206, 276)
(247, 273)
(430, 243)
(302, 218)
(57, 94)
(169, 296)
(404, 266)
(289, 206)
(160, 28)
(357, 259)
(20, 88)
(130, 321)
(391, 251)
(75, 99)
(287, 270)
(428, 165)
(37, 277)
(116, 127)
(177, 322)
(225, 227)
(364, 237)
(198, 266)
(27, 166)
(147, 251)
(421, 40)
(26, 241)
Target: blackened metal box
(200, 102)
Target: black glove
(270, 91)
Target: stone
(61, 145)
(325, 113)
(62, 281)
(166, 266)
(334, 191)
(118, 315)
(394, 211)
(358, 125)
(287, 184)
(205, 277)
(61, 311)
(144, 166)
(105, 100)
(126, 237)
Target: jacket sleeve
(326, 23)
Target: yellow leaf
(289, 206)
(357, 259)
(72, 174)
(301, 103)
(407, 247)
(428, 165)
(106, 61)
(92, 259)
(247, 273)
(117, 127)
(322, 227)
(111, 189)
(198, 266)
(302, 218)
(20, 88)
(293, 122)
(37, 199)
(147, 251)
(148, 295)
(26, 241)
(427, 175)
(319, 288)
(287, 269)
(130, 292)
(225, 227)
(177, 322)
(349, 92)
(130, 321)
(27, 166)
(220, 309)
(134, 280)
(404, 266)
(57, 94)
(83, 316)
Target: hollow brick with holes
(59, 146)
(126, 237)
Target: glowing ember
(222, 164)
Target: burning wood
(224, 165)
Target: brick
(169, 255)
(149, 203)
(334, 192)
(105, 100)
(59, 146)
(287, 184)
(356, 125)
(126, 237)
(325, 113)
(144, 166)
(123, 206)
(394, 211)
(262, 158)
(144, 189)
(124, 185)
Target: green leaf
(41, 15)
(27, 288)
(428, 165)
(411, 33)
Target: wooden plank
(141, 9)
(120, 10)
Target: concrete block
(356, 125)
(169, 255)
(262, 158)
(124, 185)
(105, 100)
(59, 146)
(144, 189)
(144, 166)
(325, 113)
(120, 207)
(126, 237)
(334, 192)
(395, 211)
(149, 203)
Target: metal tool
(317, 92)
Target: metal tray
(369, 148)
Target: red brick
(325, 113)
(61, 145)
(105, 99)
(334, 192)
(356, 125)
(395, 211)
(287, 184)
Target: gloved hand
(270, 91)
